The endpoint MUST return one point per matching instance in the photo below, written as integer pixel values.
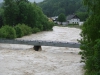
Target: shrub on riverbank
(19, 30)
(35, 30)
(90, 42)
(7, 32)
(48, 26)
(22, 30)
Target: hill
(55, 7)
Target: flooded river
(23, 60)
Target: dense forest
(55, 7)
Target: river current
(23, 60)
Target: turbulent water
(58, 34)
(23, 60)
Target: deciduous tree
(62, 18)
(90, 43)
(11, 12)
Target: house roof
(54, 18)
(69, 17)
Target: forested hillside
(55, 7)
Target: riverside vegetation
(90, 43)
(20, 17)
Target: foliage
(3, 33)
(61, 18)
(10, 12)
(19, 32)
(49, 25)
(24, 12)
(55, 7)
(22, 29)
(82, 15)
(90, 43)
(7, 32)
(21, 18)
(1, 17)
(35, 30)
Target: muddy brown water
(23, 60)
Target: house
(55, 19)
(72, 19)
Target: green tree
(10, 12)
(24, 12)
(82, 15)
(62, 18)
(1, 17)
(90, 43)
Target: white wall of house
(74, 21)
(64, 23)
(81, 23)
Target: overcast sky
(29, 0)
(35, 0)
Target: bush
(3, 33)
(35, 30)
(7, 32)
(19, 32)
(48, 26)
(22, 29)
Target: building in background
(72, 19)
